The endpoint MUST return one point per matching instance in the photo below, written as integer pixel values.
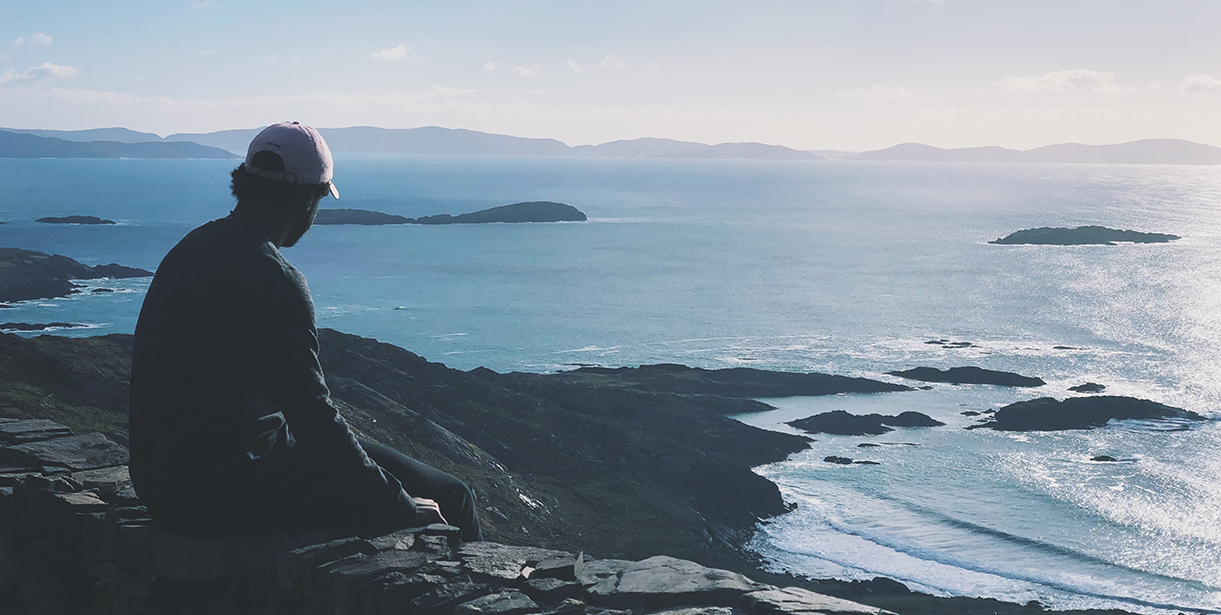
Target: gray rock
(445, 597)
(563, 568)
(292, 570)
(552, 590)
(700, 610)
(345, 585)
(797, 601)
(503, 603)
(179, 557)
(75, 453)
(31, 430)
(664, 581)
(497, 564)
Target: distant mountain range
(18, 145)
(1147, 151)
(121, 142)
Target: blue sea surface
(841, 267)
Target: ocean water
(841, 267)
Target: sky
(810, 74)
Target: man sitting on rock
(232, 428)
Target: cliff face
(612, 471)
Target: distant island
(21, 145)
(1082, 235)
(969, 375)
(533, 211)
(75, 220)
(1145, 151)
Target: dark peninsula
(534, 211)
(1049, 414)
(611, 471)
(969, 375)
(839, 422)
(75, 220)
(734, 382)
(1080, 236)
(25, 274)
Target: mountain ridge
(461, 141)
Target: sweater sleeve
(298, 389)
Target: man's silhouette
(232, 429)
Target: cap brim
(334, 190)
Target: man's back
(225, 360)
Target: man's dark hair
(250, 188)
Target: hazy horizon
(834, 74)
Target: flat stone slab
(503, 603)
(31, 430)
(76, 453)
(498, 564)
(797, 601)
(664, 581)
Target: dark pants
(421, 480)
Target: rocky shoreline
(616, 472)
(26, 274)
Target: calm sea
(839, 267)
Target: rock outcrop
(1050, 414)
(25, 274)
(842, 423)
(1082, 235)
(969, 375)
(74, 538)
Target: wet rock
(1049, 414)
(862, 462)
(1089, 387)
(843, 461)
(969, 375)
(868, 445)
(1103, 458)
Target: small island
(533, 211)
(841, 423)
(969, 375)
(731, 382)
(1050, 414)
(1080, 236)
(75, 220)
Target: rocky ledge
(1050, 414)
(969, 375)
(75, 538)
(25, 274)
(1082, 235)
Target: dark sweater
(231, 423)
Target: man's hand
(428, 511)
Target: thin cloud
(576, 68)
(393, 54)
(46, 70)
(490, 66)
(614, 62)
(34, 39)
(1200, 84)
(881, 92)
(1062, 82)
(527, 71)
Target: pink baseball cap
(307, 159)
